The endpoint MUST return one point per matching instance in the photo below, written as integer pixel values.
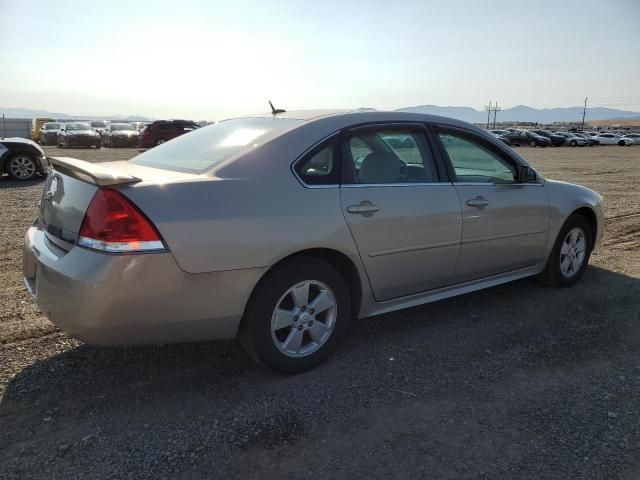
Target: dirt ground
(517, 381)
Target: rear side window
(320, 166)
(475, 162)
(202, 149)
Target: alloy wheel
(573, 252)
(304, 318)
(22, 167)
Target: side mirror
(526, 174)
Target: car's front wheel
(297, 316)
(621, 143)
(532, 143)
(570, 255)
(22, 167)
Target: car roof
(345, 118)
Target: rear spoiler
(97, 173)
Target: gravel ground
(517, 381)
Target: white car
(633, 136)
(613, 139)
(573, 140)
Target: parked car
(120, 135)
(524, 137)
(556, 140)
(633, 136)
(572, 139)
(21, 159)
(37, 125)
(99, 125)
(49, 133)
(590, 140)
(613, 139)
(139, 125)
(256, 228)
(161, 131)
(78, 134)
(501, 135)
(497, 132)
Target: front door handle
(478, 202)
(366, 208)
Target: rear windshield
(99, 124)
(202, 149)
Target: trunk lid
(71, 185)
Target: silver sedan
(280, 229)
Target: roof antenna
(274, 110)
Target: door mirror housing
(526, 174)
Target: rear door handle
(366, 208)
(478, 202)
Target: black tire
(160, 141)
(552, 274)
(573, 143)
(532, 143)
(15, 172)
(255, 331)
(621, 143)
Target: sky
(211, 59)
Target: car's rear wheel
(160, 142)
(297, 316)
(570, 255)
(532, 143)
(22, 167)
(573, 143)
(621, 143)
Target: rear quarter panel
(252, 219)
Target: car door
(504, 223)
(402, 211)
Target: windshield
(200, 150)
(78, 126)
(121, 126)
(51, 126)
(101, 124)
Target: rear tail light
(112, 223)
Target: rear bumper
(105, 299)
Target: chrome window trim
(407, 184)
(489, 184)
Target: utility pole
(496, 109)
(488, 108)
(584, 112)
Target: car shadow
(7, 182)
(77, 391)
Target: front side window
(390, 156)
(474, 162)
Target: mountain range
(520, 113)
(34, 113)
(523, 113)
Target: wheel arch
(591, 217)
(338, 260)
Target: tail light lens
(112, 223)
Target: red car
(161, 131)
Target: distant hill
(32, 113)
(523, 113)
